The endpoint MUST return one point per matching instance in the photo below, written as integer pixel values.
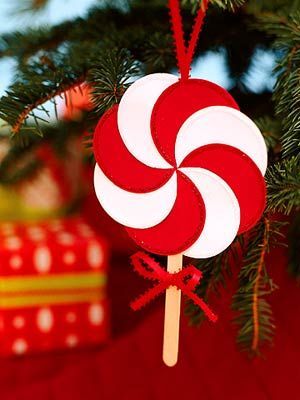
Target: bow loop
(146, 266)
(191, 277)
(186, 280)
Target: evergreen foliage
(255, 317)
(118, 40)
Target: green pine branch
(271, 130)
(40, 80)
(254, 314)
(26, 43)
(229, 4)
(224, 4)
(286, 30)
(128, 30)
(283, 181)
(263, 7)
(110, 77)
(45, 74)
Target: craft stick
(172, 315)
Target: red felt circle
(181, 228)
(176, 104)
(118, 164)
(239, 172)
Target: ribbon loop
(185, 53)
(146, 266)
(186, 280)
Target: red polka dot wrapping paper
(52, 286)
(54, 246)
(52, 328)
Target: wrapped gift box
(52, 286)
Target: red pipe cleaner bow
(186, 280)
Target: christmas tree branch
(22, 45)
(98, 22)
(271, 129)
(257, 284)
(286, 29)
(28, 111)
(254, 314)
(265, 8)
(40, 80)
(283, 180)
(110, 77)
(106, 23)
(224, 4)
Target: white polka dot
(85, 230)
(82, 226)
(15, 262)
(42, 259)
(96, 314)
(69, 257)
(13, 243)
(65, 238)
(71, 317)
(18, 322)
(19, 346)
(36, 233)
(87, 234)
(44, 320)
(95, 255)
(71, 340)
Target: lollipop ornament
(182, 169)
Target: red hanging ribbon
(186, 280)
(185, 54)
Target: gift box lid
(56, 246)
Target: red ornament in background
(77, 101)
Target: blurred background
(66, 329)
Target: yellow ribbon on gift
(38, 290)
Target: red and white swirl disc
(180, 166)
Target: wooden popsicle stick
(172, 315)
